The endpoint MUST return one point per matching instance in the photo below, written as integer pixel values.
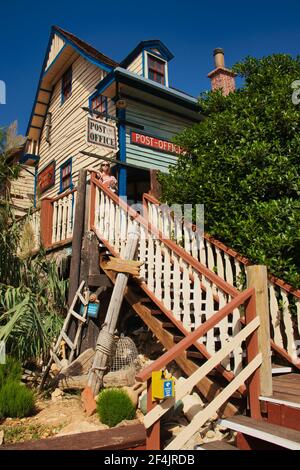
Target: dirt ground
(62, 416)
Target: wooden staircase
(205, 323)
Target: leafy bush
(242, 163)
(114, 405)
(11, 370)
(32, 293)
(16, 401)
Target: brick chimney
(221, 78)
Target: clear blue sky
(190, 29)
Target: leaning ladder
(73, 345)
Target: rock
(120, 378)
(54, 369)
(81, 426)
(143, 402)
(175, 430)
(210, 434)
(57, 394)
(192, 404)
(1, 437)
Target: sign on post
(102, 133)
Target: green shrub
(12, 369)
(114, 405)
(16, 401)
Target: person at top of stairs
(105, 176)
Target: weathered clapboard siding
(56, 47)
(157, 123)
(22, 191)
(137, 65)
(69, 121)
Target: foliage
(114, 405)
(16, 400)
(30, 314)
(32, 295)
(242, 163)
(11, 370)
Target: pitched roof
(145, 44)
(86, 48)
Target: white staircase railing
(185, 290)
(284, 301)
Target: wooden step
(274, 434)
(216, 445)
(276, 369)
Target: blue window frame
(66, 85)
(98, 103)
(156, 69)
(66, 176)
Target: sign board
(168, 388)
(156, 143)
(102, 133)
(46, 178)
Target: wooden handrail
(185, 343)
(214, 278)
(62, 195)
(231, 252)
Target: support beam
(257, 276)
(77, 236)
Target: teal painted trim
(105, 67)
(61, 189)
(105, 82)
(29, 156)
(40, 78)
(157, 44)
(143, 63)
(122, 183)
(55, 59)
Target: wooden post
(153, 433)
(105, 338)
(258, 279)
(46, 221)
(252, 350)
(77, 236)
(155, 187)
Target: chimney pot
(219, 57)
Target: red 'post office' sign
(46, 178)
(154, 142)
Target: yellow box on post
(162, 387)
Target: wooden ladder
(72, 345)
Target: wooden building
(133, 115)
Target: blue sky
(190, 29)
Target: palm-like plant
(32, 295)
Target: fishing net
(126, 354)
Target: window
(66, 175)
(66, 85)
(156, 69)
(99, 103)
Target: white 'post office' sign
(102, 133)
